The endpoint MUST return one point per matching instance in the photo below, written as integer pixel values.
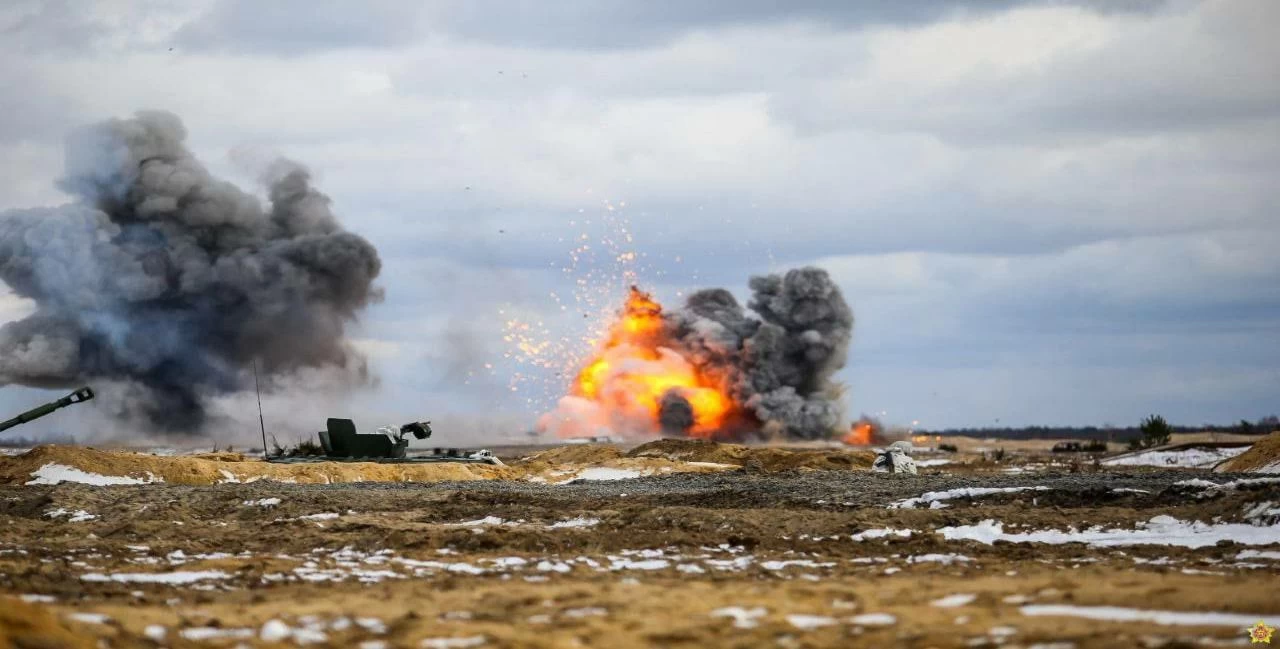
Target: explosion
(709, 370)
(638, 377)
(162, 284)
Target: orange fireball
(637, 365)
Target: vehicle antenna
(261, 423)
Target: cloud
(1087, 75)
(1027, 203)
(292, 27)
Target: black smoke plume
(169, 283)
(777, 359)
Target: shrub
(1155, 431)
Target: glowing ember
(637, 381)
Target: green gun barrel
(83, 394)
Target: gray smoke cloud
(778, 361)
(168, 283)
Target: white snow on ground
(453, 643)
(78, 516)
(810, 622)
(38, 599)
(155, 632)
(89, 618)
(966, 492)
(1160, 530)
(201, 633)
(1120, 614)
(262, 502)
(874, 619)
(1258, 554)
(881, 533)
(326, 516)
(952, 601)
(1274, 467)
(180, 577)
(1234, 484)
(575, 522)
(53, 473)
(604, 473)
(480, 522)
(743, 618)
(944, 559)
(938, 461)
(1187, 458)
(803, 563)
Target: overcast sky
(1040, 212)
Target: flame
(633, 369)
(859, 434)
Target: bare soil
(648, 562)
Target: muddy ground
(737, 558)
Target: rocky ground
(734, 558)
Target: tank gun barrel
(83, 394)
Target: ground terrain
(748, 551)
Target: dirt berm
(1262, 457)
(215, 468)
(557, 465)
(764, 458)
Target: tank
(81, 395)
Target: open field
(763, 555)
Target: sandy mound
(600, 462)
(1262, 457)
(23, 625)
(572, 454)
(763, 457)
(227, 467)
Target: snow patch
(1121, 614)
(743, 618)
(966, 492)
(78, 516)
(54, 473)
(881, 533)
(575, 522)
(89, 618)
(1160, 530)
(810, 622)
(605, 473)
(453, 643)
(264, 502)
(874, 619)
(1186, 458)
(173, 578)
(952, 601)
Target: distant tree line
(1123, 434)
(27, 442)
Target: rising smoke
(715, 369)
(778, 365)
(167, 284)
